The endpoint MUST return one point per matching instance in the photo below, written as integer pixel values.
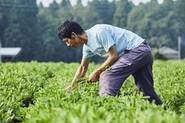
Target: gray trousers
(137, 62)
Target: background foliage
(34, 28)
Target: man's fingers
(68, 88)
(89, 81)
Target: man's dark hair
(65, 29)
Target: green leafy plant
(32, 92)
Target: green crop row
(18, 84)
(33, 92)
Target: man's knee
(104, 86)
(102, 76)
(104, 92)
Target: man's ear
(73, 35)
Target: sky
(84, 2)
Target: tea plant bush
(33, 92)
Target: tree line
(34, 27)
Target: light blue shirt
(102, 36)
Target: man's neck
(84, 38)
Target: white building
(7, 54)
(169, 53)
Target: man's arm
(113, 56)
(79, 73)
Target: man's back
(102, 36)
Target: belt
(144, 42)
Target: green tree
(54, 6)
(105, 11)
(91, 16)
(180, 10)
(158, 24)
(51, 48)
(138, 13)
(79, 11)
(66, 11)
(121, 14)
(22, 30)
(65, 4)
(4, 22)
(40, 6)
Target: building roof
(167, 50)
(5, 51)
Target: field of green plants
(33, 93)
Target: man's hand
(93, 77)
(80, 73)
(71, 86)
(113, 57)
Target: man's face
(72, 42)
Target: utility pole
(179, 47)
